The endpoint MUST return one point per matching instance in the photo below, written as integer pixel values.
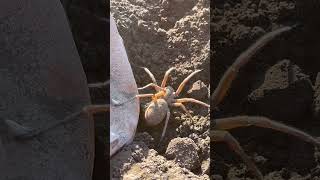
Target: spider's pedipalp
(166, 76)
(150, 75)
(183, 83)
(224, 136)
(231, 73)
(183, 100)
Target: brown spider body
(158, 107)
(156, 112)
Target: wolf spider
(220, 133)
(164, 98)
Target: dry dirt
(280, 83)
(160, 35)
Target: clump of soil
(184, 152)
(278, 83)
(160, 35)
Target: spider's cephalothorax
(161, 101)
(166, 97)
(220, 133)
(166, 93)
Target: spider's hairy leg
(224, 136)
(22, 133)
(245, 121)
(156, 87)
(166, 76)
(150, 75)
(165, 125)
(231, 73)
(184, 100)
(183, 83)
(183, 108)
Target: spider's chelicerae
(164, 98)
(220, 133)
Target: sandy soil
(280, 83)
(160, 35)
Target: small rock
(199, 90)
(205, 167)
(284, 84)
(259, 159)
(184, 152)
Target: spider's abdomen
(156, 112)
